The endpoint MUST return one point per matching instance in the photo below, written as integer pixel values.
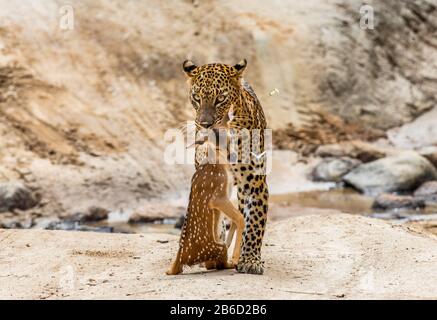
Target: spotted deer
(200, 242)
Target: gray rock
(15, 195)
(153, 213)
(333, 169)
(180, 222)
(92, 214)
(387, 201)
(17, 223)
(404, 172)
(140, 218)
(95, 214)
(427, 191)
(365, 152)
(430, 153)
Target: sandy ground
(310, 257)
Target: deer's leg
(217, 226)
(209, 265)
(231, 234)
(176, 266)
(226, 206)
(223, 263)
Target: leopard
(217, 90)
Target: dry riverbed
(319, 256)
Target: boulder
(155, 213)
(15, 195)
(421, 133)
(404, 172)
(333, 169)
(17, 222)
(360, 150)
(429, 153)
(180, 222)
(427, 191)
(95, 214)
(387, 201)
(92, 214)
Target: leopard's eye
(220, 98)
(196, 97)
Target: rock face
(388, 201)
(15, 195)
(398, 173)
(314, 52)
(389, 52)
(333, 169)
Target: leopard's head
(214, 90)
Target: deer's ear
(240, 67)
(189, 68)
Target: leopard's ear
(240, 67)
(189, 68)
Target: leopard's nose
(206, 124)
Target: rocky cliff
(83, 112)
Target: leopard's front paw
(252, 266)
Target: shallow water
(167, 226)
(344, 200)
(348, 201)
